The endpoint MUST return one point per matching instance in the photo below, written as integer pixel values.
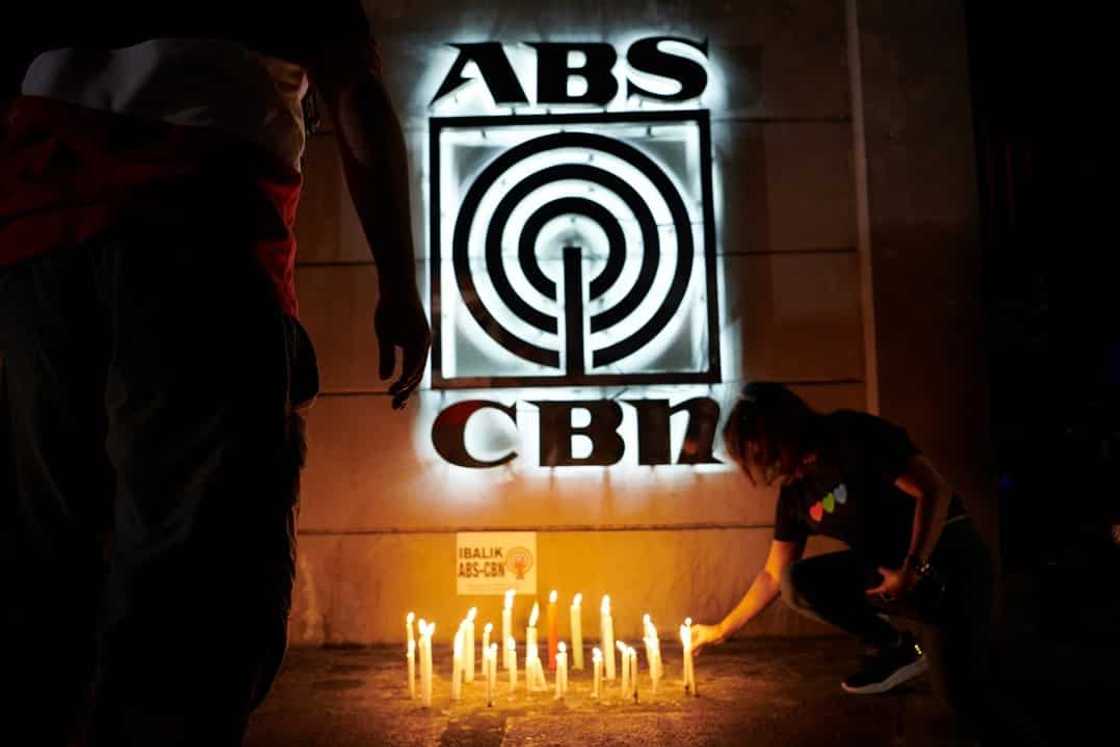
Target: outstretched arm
(763, 590)
(375, 164)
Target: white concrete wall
(380, 512)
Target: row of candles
(603, 656)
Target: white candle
(597, 671)
(634, 673)
(553, 636)
(408, 626)
(534, 672)
(577, 631)
(606, 627)
(561, 668)
(511, 663)
(427, 630)
(492, 673)
(485, 658)
(486, 643)
(468, 645)
(457, 665)
(653, 651)
(624, 662)
(686, 646)
(412, 668)
(507, 626)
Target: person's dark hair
(770, 427)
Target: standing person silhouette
(153, 368)
(913, 552)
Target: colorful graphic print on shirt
(837, 496)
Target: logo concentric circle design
(610, 275)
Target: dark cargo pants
(149, 455)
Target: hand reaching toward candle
(705, 635)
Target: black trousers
(955, 634)
(150, 461)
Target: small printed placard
(491, 562)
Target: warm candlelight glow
(472, 613)
(552, 597)
(507, 626)
(606, 636)
(576, 630)
(489, 627)
(534, 615)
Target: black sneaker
(888, 669)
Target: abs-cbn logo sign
(575, 249)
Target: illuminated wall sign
(575, 249)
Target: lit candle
(561, 671)
(507, 625)
(552, 630)
(412, 668)
(597, 671)
(511, 663)
(634, 673)
(457, 665)
(486, 675)
(653, 651)
(468, 645)
(408, 626)
(577, 632)
(534, 671)
(427, 630)
(624, 662)
(486, 643)
(686, 646)
(606, 627)
(492, 673)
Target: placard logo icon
(520, 561)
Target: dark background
(1041, 87)
(1040, 92)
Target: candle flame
(422, 626)
(488, 628)
(534, 615)
(596, 654)
(472, 613)
(552, 597)
(606, 605)
(410, 617)
(563, 647)
(577, 600)
(688, 621)
(645, 619)
(511, 643)
(621, 647)
(509, 598)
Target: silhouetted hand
(400, 322)
(894, 585)
(705, 635)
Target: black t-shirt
(850, 493)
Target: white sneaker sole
(907, 673)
